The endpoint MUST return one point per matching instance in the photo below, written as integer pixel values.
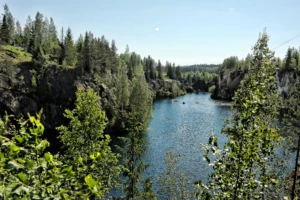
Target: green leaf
(42, 145)
(14, 164)
(21, 189)
(19, 139)
(29, 164)
(67, 169)
(90, 181)
(22, 177)
(48, 157)
(14, 148)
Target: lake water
(180, 128)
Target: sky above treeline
(181, 31)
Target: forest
(85, 91)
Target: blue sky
(180, 31)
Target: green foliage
(34, 80)
(122, 85)
(173, 183)
(7, 31)
(8, 67)
(26, 172)
(20, 54)
(132, 151)
(140, 99)
(212, 89)
(84, 139)
(241, 170)
(292, 124)
(69, 48)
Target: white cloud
(156, 29)
(231, 10)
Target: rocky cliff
(27, 90)
(229, 82)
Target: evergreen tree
(178, 72)
(53, 41)
(114, 57)
(288, 59)
(27, 32)
(79, 50)
(38, 40)
(4, 30)
(61, 52)
(134, 147)
(86, 53)
(122, 85)
(173, 184)
(19, 34)
(159, 69)
(69, 47)
(10, 24)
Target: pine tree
(79, 51)
(53, 41)
(4, 30)
(70, 51)
(10, 24)
(27, 32)
(61, 52)
(173, 183)
(86, 53)
(159, 69)
(114, 57)
(178, 72)
(38, 40)
(19, 34)
(134, 147)
(122, 85)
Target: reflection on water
(180, 128)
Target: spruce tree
(10, 24)
(19, 34)
(69, 48)
(159, 69)
(27, 32)
(4, 30)
(134, 148)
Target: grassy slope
(17, 54)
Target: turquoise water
(180, 128)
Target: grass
(17, 54)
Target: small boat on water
(183, 102)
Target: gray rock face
(228, 82)
(55, 90)
(54, 93)
(283, 81)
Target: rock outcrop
(28, 89)
(228, 83)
